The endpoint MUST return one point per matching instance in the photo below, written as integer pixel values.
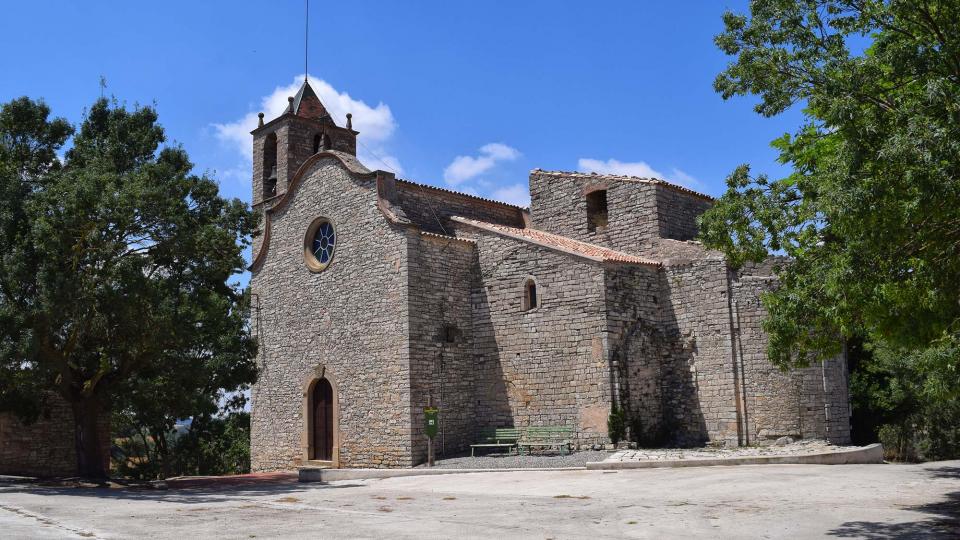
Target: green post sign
(430, 416)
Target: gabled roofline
(356, 170)
(460, 193)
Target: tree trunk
(90, 455)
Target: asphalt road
(762, 501)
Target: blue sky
(470, 96)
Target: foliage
(907, 398)
(209, 446)
(871, 213)
(114, 263)
(617, 424)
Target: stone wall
(801, 403)
(545, 366)
(430, 208)
(442, 275)
(295, 140)
(46, 447)
(699, 377)
(634, 342)
(639, 211)
(350, 319)
(677, 212)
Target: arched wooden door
(322, 421)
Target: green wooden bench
(546, 437)
(497, 438)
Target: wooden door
(323, 421)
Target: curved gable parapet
(385, 195)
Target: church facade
(375, 296)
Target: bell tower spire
(305, 128)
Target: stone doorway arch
(320, 441)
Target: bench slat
(546, 436)
(496, 437)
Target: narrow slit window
(317, 141)
(530, 298)
(597, 210)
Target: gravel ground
(792, 449)
(580, 459)
(513, 461)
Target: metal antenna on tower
(306, 38)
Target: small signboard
(432, 423)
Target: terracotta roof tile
(560, 243)
(448, 237)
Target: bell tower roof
(306, 104)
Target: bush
(907, 400)
(617, 425)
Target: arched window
(531, 299)
(317, 141)
(597, 210)
(270, 166)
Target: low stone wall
(867, 454)
(46, 447)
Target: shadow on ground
(938, 520)
(197, 495)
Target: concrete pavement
(769, 501)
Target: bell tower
(283, 144)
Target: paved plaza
(770, 501)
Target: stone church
(374, 296)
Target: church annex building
(373, 296)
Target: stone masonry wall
(45, 447)
(442, 274)
(801, 403)
(558, 204)
(426, 206)
(634, 340)
(639, 212)
(699, 384)
(677, 213)
(545, 366)
(350, 319)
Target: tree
(211, 445)
(114, 268)
(870, 215)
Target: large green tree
(114, 269)
(871, 212)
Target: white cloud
(613, 166)
(464, 168)
(636, 168)
(376, 124)
(517, 194)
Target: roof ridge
(445, 190)
(629, 178)
(603, 254)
